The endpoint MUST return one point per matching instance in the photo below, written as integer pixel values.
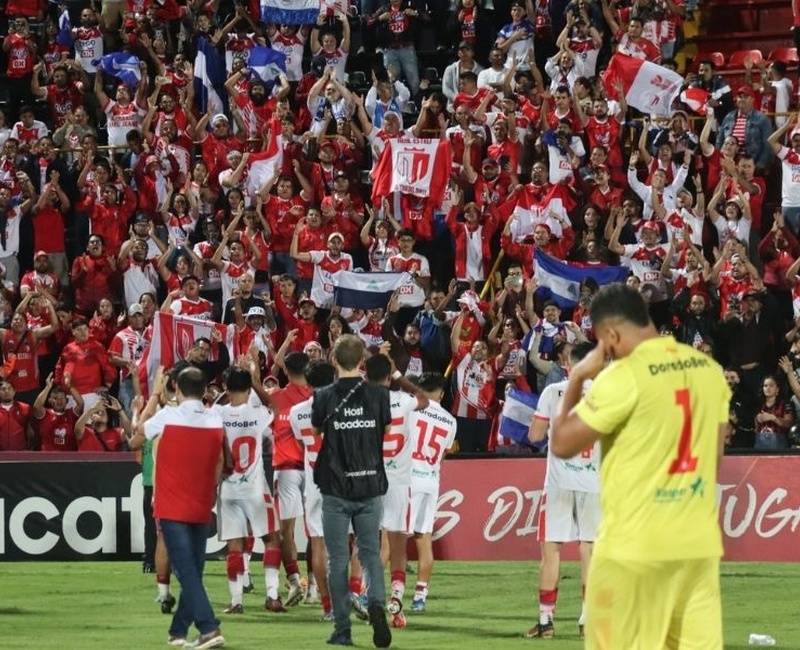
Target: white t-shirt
(582, 472)
(396, 446)
(245, 428)
(790, 182)
(140, 279)
(561, 164)
(432, 432)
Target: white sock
(272, 578)
(398, 589)
(294, 579)
(163, 591)
(236, 587)
(421, 591)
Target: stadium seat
(718, 59)
(432, 75)
(738, 58)
(357, 80)
(786, 54)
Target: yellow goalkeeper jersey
(659, 411)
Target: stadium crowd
(119, 201)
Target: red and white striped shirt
(475, 395)
(130, 345)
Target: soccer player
(570, 505)
(317, 374)
(245, 501)
(660, 410)
(432, 433)
(289, 477)
(397, 463)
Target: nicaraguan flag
(563, 279)
(64, 35)
(209, 75)
(517, 415)
(290, 12)
(266, 63)
(124, 67)
(366, 290)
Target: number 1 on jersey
(685, 462)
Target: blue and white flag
(366, 290)
(517, 415)
(124, 67)
(290, 12)
(64, 35)
(563, 279)
(209, 75)
(266, 63)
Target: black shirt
(350, 461)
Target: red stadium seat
(718, 58)
(786, 54)
(738, 58)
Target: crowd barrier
(57, 509)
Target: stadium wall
(56, 509)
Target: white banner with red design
(415, 166)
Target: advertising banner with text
(488, 510)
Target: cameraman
(353, 418)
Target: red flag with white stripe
(649, 87)
(262, 164)
(696, 99)
(416, 166)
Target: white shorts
(397, 509)
(423, 512)
(288, 488)
(313, 516)
(568, 516)
(234, 515)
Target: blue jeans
(186, 547)
(366, 516)
(404, 62)
(792, 218)
(126, 394)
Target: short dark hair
(468, 76)
(406, 232)
(295, 363)
(201, 339)
(238, 380)
(192, 382)
(580, 350)
(348, 351)
(707, 62)
(378, 368)
(78, 322)
(319, 373)
(619, 301)
(430, 382)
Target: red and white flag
(262, 164)
(419, 167)
(334, 5)
(647, 86)
(696, 99)
(173, 337)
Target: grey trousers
(366, 516)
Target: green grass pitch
(481, 605)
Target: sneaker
(294, 596)
(359, 605)
(176, 641)
(147, 567)
(234, 609)
(311, 599)
(211, 640)
(399, 620)
(418, 605)
(327, 617)
(248, 588)
(395, 606)
(381, 634)
(340, 638)
(540, 631)
(167, 604)
(274, 605)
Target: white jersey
(300, 421)
(396, 444)
(581, 473)
(432, 432)
(245, 428)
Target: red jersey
(606, 134)
(14, 421)
(57, 430)
(25, 376)
(307, 331)
(310, 239)
(282, 220)
(48, 230)
(200, 308)
(20, 56)
(287, 452)
(108, 440)
(87, 364)
(418, 215)
(62, 101)
(473, 101)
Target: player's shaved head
(191, 383)
(618, 302)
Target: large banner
(488, 509)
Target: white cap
(255, 311)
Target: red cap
(304, 300)
(651, 225)
(746, 90)
(39, 254)
(327, 203)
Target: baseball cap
(39, 254)
(150, 160)
(746, 90)
(141, 218)
(650, 225)
(303, 301)
(490, 162)
(255, 311)
(220, 116)
(189, 278)
(333, 235)
(310, 345)
(134, 309)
